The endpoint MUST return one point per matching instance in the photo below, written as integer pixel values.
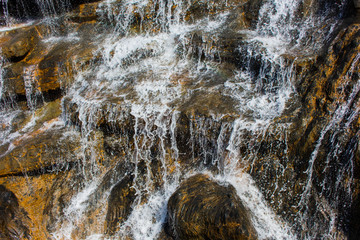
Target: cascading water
(159, 78)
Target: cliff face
(108, 109)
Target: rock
(251, 8)
(84, 13)
(39, 152)
(203, 209)
(325, 85)
(354, 230)
(13, 219)
(52, 66)
(21, 9)
(13, 82)
(34, 67)
(17, 44)
(55, 191)
(32, 9)
(199, 9)
(119, 204)
(44, 67)
(164, 236)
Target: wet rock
(32, 9)
(120, 203)
(17, 44)
(202, 140)
(203, 209)
(323, 129)
(201, 9)
(202, 130)
(13, 82)
(14, 222)
(209, 103)
(60, 188)
(251, 9)
(354, 230)
(50, 67)
(164, 236)
(37, 69)
(85, 13)
(39, 152)
(21, 9)
(333, 86)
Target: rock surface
(120, 202)
(203, 209)
(14, 222)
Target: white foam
(265, 221)
(146, 220)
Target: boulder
(119, 204)
(13, 219)
(203, 209)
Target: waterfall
(144, 53)
(160, 101)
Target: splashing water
(137, 69)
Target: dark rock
(13, 219)
(119, 204)
(33, 9)
(200, 9)
(21, 9)
(13, 82)
(324, 85)
(252, 8)
(164, 236)
(354, 230)
(203, 209)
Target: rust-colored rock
(84, 13)
(38, 152)
(17, 44)
(203, 209)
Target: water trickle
(336, 190)
(33, 94)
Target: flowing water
(139, 79)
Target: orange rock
(18, 44)
(37, 152)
